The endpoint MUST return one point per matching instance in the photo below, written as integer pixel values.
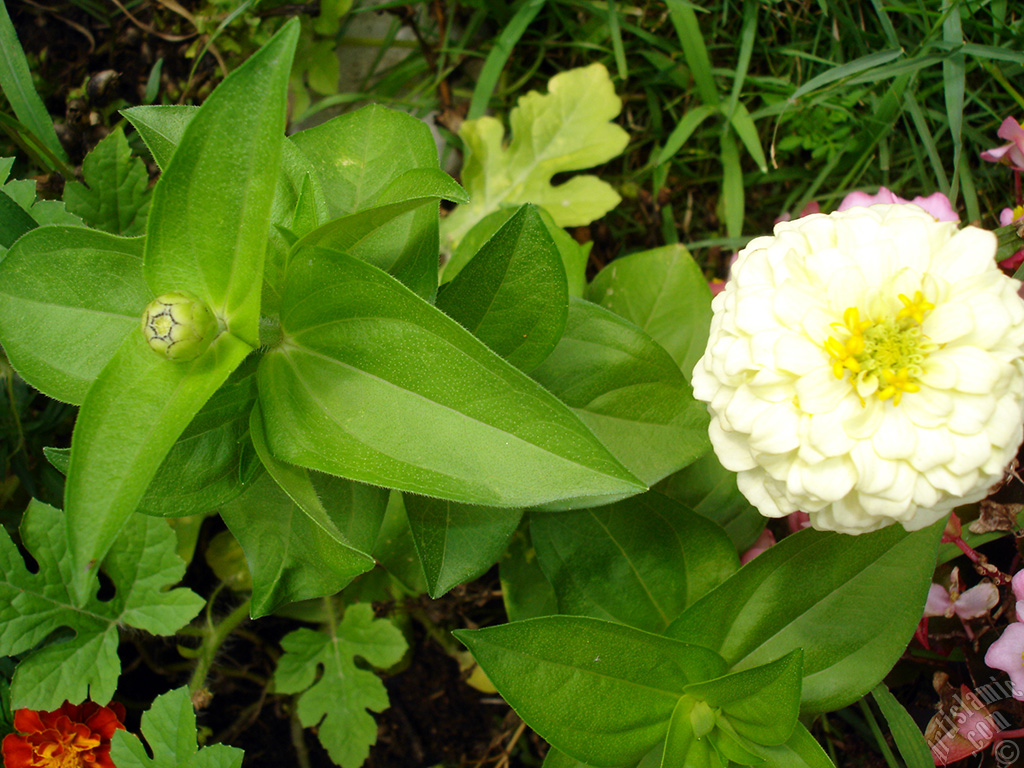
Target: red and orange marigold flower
(74, 736)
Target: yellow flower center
(883, 356)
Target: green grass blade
(856, 67)
(499, 54)
(16, 82)
(909, 741)
(684, 130)
(732, 186)
(927, 140)
(747, 36)
(618, 49)
(744, 126)
(688, 29)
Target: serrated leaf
(32, 606)
(568, 129)
(169, 727)
(115, 196)
(339, 700)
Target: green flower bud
(179, 326)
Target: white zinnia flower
(866, 367)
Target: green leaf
(395, 548)
(59, 333)
(761, 703)
(457, 542)
(821, 592)
(337, 701)
(567, 130)
(600, 692)
(709, 489)
(513, 294)
(628, 390)
(289, 528)
(374, 384)
(640, 561)
(204, 467)
(355, 233)
(132, 415)
(33, 605)
(525, 589)
(574, 256)
(169, 727)
(115, 196)
(905, 732)
(161, 128)
(801, 751)
(14, 221)
(16, 82)
(207, 231)
(356, 157)
(664, 293)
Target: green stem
(215, 636)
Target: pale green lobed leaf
(568, 129)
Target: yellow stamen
(896, 384)
(915, 308)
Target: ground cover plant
(318, 456)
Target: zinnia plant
(866, 367)
(74, 736)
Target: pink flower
(1011, 154)
(764, 541)
(797, 521)
(937, 204)
(972, 604)
(1007, 654)
(1017, 585)
(965, 729)
(1009, 216)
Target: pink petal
(1017, 585)
(1006, 217)
(863, 200)
(938, 205)
(938, 603)
(764, 541)
(976, 601)
(1007, 654)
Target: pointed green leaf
(395, 549)
(820, 592)
(68, 298)
(355, 233)
(208, 226)
(640, 561)
(16, 82)
(374, 384)
(457, 542)
(682, 749)
(132, 415)
(600, 692)
(525, 590)
(664, 293)
(801, 751)
(761, 703)
(169, 727)
(356, 157)
(709, 489)
(513, 294)
(34, 605)
(161, 128)
(289, 529)
(628, 390)
(115, 196)
(204, 467)
(338, 701)
(14, 221)
(905, 732)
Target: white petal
(896, 437)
